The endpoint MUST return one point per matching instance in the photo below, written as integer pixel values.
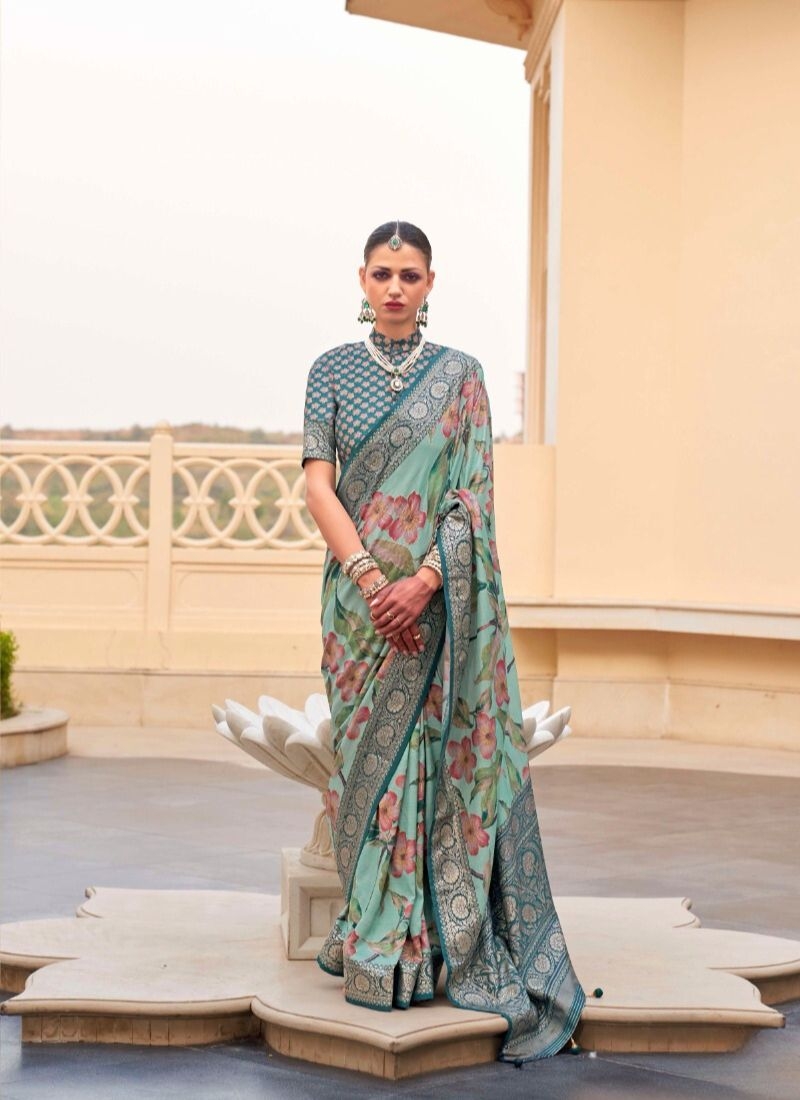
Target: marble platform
(183, 967)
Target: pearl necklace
(397, 370)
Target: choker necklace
(397, 370)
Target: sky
(186, 187)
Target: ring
(416, 637)
(390, 614)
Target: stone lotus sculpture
(298, 744)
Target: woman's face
(395, 283)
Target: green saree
(431, 805)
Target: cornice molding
(544, 17)
(518, 12)
(671, 617)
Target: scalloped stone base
(32, 736)
(179, 967)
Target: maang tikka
(395, 241)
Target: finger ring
(389, 614)
(416, 637)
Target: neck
(400, 331)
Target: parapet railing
(189, 495)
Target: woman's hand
(396, 608)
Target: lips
(395, 305)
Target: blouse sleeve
(319, 418)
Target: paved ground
(729, 841)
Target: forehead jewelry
(396, 370)
(395, 241)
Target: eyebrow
(381, 267)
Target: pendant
(396, 384)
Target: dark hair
(409, 234)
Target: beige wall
(679, 335)
(649, 529)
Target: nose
(395, 290)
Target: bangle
(365, 565)
(350, 561)
(376, 586)
(433, 561)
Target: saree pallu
(431, 806)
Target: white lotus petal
(540, 742)
(557, 722)
(308, 762)
(274, 757)
(537, 710)
(269, 706)
(240, 717)
(314, 758)
(317, 709)
(324, 735)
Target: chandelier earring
(367, 314)
(422, 314)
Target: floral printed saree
(431, 805)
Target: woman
(431, 807)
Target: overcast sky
(187, 186)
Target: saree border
(410, 388)
(457, 921)
(415, 416)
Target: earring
(422, 314)
(367, 314)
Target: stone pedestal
(33, 735)
(311, 899)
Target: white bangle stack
(359, 563)
(433, 561)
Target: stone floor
(727, 839)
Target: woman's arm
(341, 536)
(334, 524)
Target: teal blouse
(347, 391)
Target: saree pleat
(431, 805)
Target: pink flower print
(471, 502)
(500, 683)
(351, 944)
(351, 679)
(356, 722)
(468, 392)
(450, 419)
(526, 771)
(330, 800)
(475, 836)
(404, 855)
(464, 759)
(423, 935)
(408, 518)
(412, 950)
(432, 708)
(484, 737)
(377, 512)
(388, 813)
(480, 408)
(332, 652)
(493, 552)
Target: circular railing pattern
(74, 499)
(243, 502)
(219, 498)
